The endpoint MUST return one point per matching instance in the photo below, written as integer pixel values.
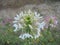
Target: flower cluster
(50, 20)
(30, 23)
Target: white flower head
(28, 21)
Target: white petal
(56, 22)
(16, 27)
(15, 21)
(41, 26)
(26, 35)
(41, 17)
(38, 14)
(37, 23)
(22, 20)
(52, 25)
(21, 14)
(20, 26)
(38, 30)
(31, 26)
(29, 11)
(38, 33)
(35, 13)
(36, 36)
(16, 18)
(21, 36)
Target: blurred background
(9, 9)
(19, 3)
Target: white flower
(30, 19)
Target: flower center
(28, 22)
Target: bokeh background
(9, 9)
